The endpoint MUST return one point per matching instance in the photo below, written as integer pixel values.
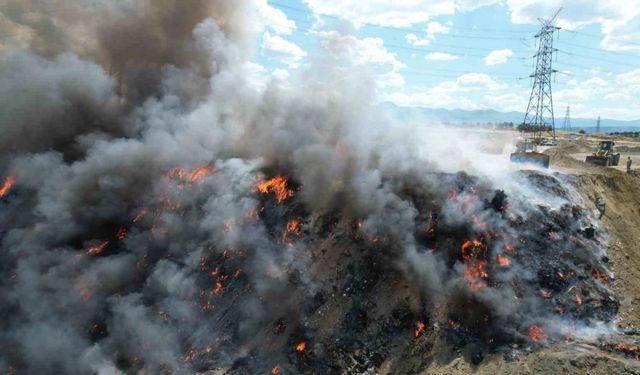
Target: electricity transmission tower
(598, 125)
(566, 125)
(539, 116)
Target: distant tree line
(626, 134)
(530, 128)
(494, 125)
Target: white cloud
(433, 28)
(498, 56)
(418, 42)
(468, 91)
(360, 51)
(277, 47)
(619, 19)
(477, 81)
(509, 102)
(383, 12)
(275, 19)
(364, 52)
(440, 56)
(393, 12)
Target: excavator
(604, 156)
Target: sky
(466, 54)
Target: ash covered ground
(166, 208)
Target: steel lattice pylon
(539, 114)
(566, 125)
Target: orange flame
(275, 370)
(627, 348)
(454, 323)
(292, 229)
(97, 249)
(293, 226)
(536, 334)
(475, 271)
(228, 224)
(419, 329)
(504, 261)
(301, 346)
(122, 234)
(219, 288)
(139, 216)
(277, 186)
(578, 298)
(603, 277)
(199, 173)
(8, 183)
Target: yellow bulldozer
(604, 156)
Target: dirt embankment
(622, 220)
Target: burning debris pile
(171, 217)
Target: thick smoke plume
(169, 209)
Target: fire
(277, 186)
(293, 226)
(199, 173)
(578, 298)
(139, 216)
(275, 370)
(97, 249)
(219, 288)
(430, 224)
(228, 225)
(419, 329)
(504, 261)
(536, 334)
(122, 234)
(301, 346)
(627, 348)
(475, 271)
(454, 323)
(8, 183)
(561, 275)
(481, 224)
(292, 229)
(603, 277)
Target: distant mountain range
(460, 116)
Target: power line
(598, 59)
(595, 36)
(407, 29)
(425, 50)
(599, 49)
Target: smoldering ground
(135, 237)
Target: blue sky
(468, 54)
